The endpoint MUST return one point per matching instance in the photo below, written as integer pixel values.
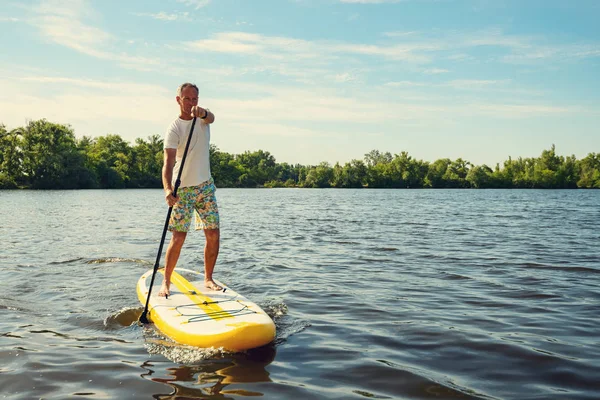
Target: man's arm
(210, 117)
(167, 176)
(201, 112)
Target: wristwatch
(205, 114)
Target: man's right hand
(171, 200)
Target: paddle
(144, 318)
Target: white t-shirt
(196, 169)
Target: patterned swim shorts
(200, 199)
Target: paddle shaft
(144, 317)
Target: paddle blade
(144, 318)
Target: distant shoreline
(46, 155)
(297, 187)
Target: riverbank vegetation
(46, 155)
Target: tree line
(46, 155)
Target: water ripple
(487, 294)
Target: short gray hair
(186, 85)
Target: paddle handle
(144, 316)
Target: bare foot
(164, 290)
(212, 285)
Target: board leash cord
(218, 314)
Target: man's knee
(212, 236)
(178, 238)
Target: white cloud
(495, 37)
(224, 44)
(277, 47)
(72, 33)
(460, 57)
(197, 4)
(558, 53)
(162, 16)
(409, 47)
(62, 22)
(435, 71)
(406, 84)
(9, 19)
(115, 87)
(397, 52)
(521, 48)
(523, 110)
(475, 83)
(64, 8)
(251, 43)
(591, 52)
(491, 89)
(289, 106)
(400, 33)
(344, 77)
(452, 40)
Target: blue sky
(315, 80)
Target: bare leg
(173, 251)
(211, 252)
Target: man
(197, 190)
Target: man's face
(188, 99)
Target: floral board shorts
(199, 200)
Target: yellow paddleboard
(197, 316)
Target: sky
(314, 81)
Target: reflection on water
(211, 377)
(123, 318)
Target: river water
(388, 294)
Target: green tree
(456, 174)
(11, 158)
(320, 176)
(51, 159)
(258, 168)
(589, 172)
(544, 174)
(146, 162)
(288, 173)
(436, 172)
(351, 175)
(407, 172)
(225, 170)
(480, 177)
(375, 157)
(524, 173)
(379, 169)
(503, 178)
(568, 173)
(46, 155)
(111, 157)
